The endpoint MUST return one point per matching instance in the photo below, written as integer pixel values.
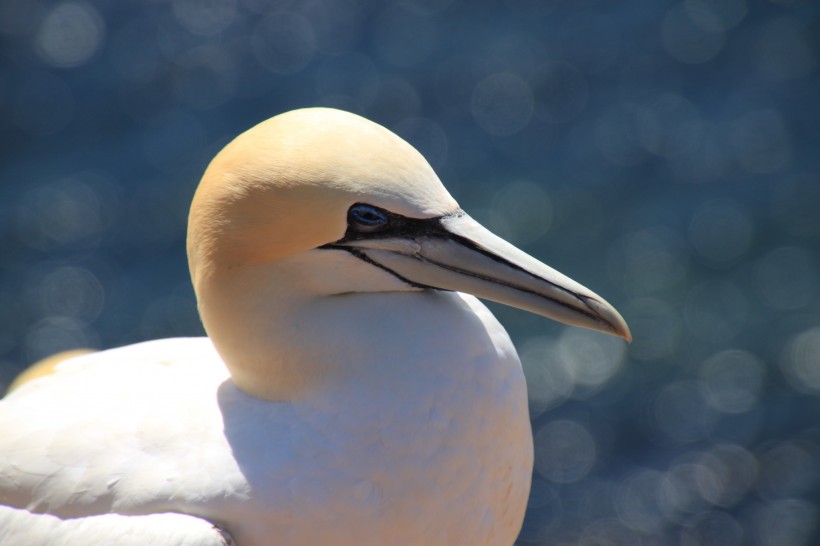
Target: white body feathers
(437, 449)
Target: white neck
(288, 329)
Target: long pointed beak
(461, 255)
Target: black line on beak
(364, 257)
(402, 227)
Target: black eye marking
(370, 222)
(367, 222)
(364, 218)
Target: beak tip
(614, 322)
(619, 328)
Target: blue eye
(367, 218)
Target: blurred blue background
(664, 153)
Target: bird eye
(367, 218)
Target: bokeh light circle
(800, 361)
(70, 34)
(565, 451)
(502, 104)
(732, 380)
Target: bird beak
(459, 254)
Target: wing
(19, 527)
(131, 430)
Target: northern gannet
(349, 390)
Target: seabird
(351, 390)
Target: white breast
(433, 451)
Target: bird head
(320, 182)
